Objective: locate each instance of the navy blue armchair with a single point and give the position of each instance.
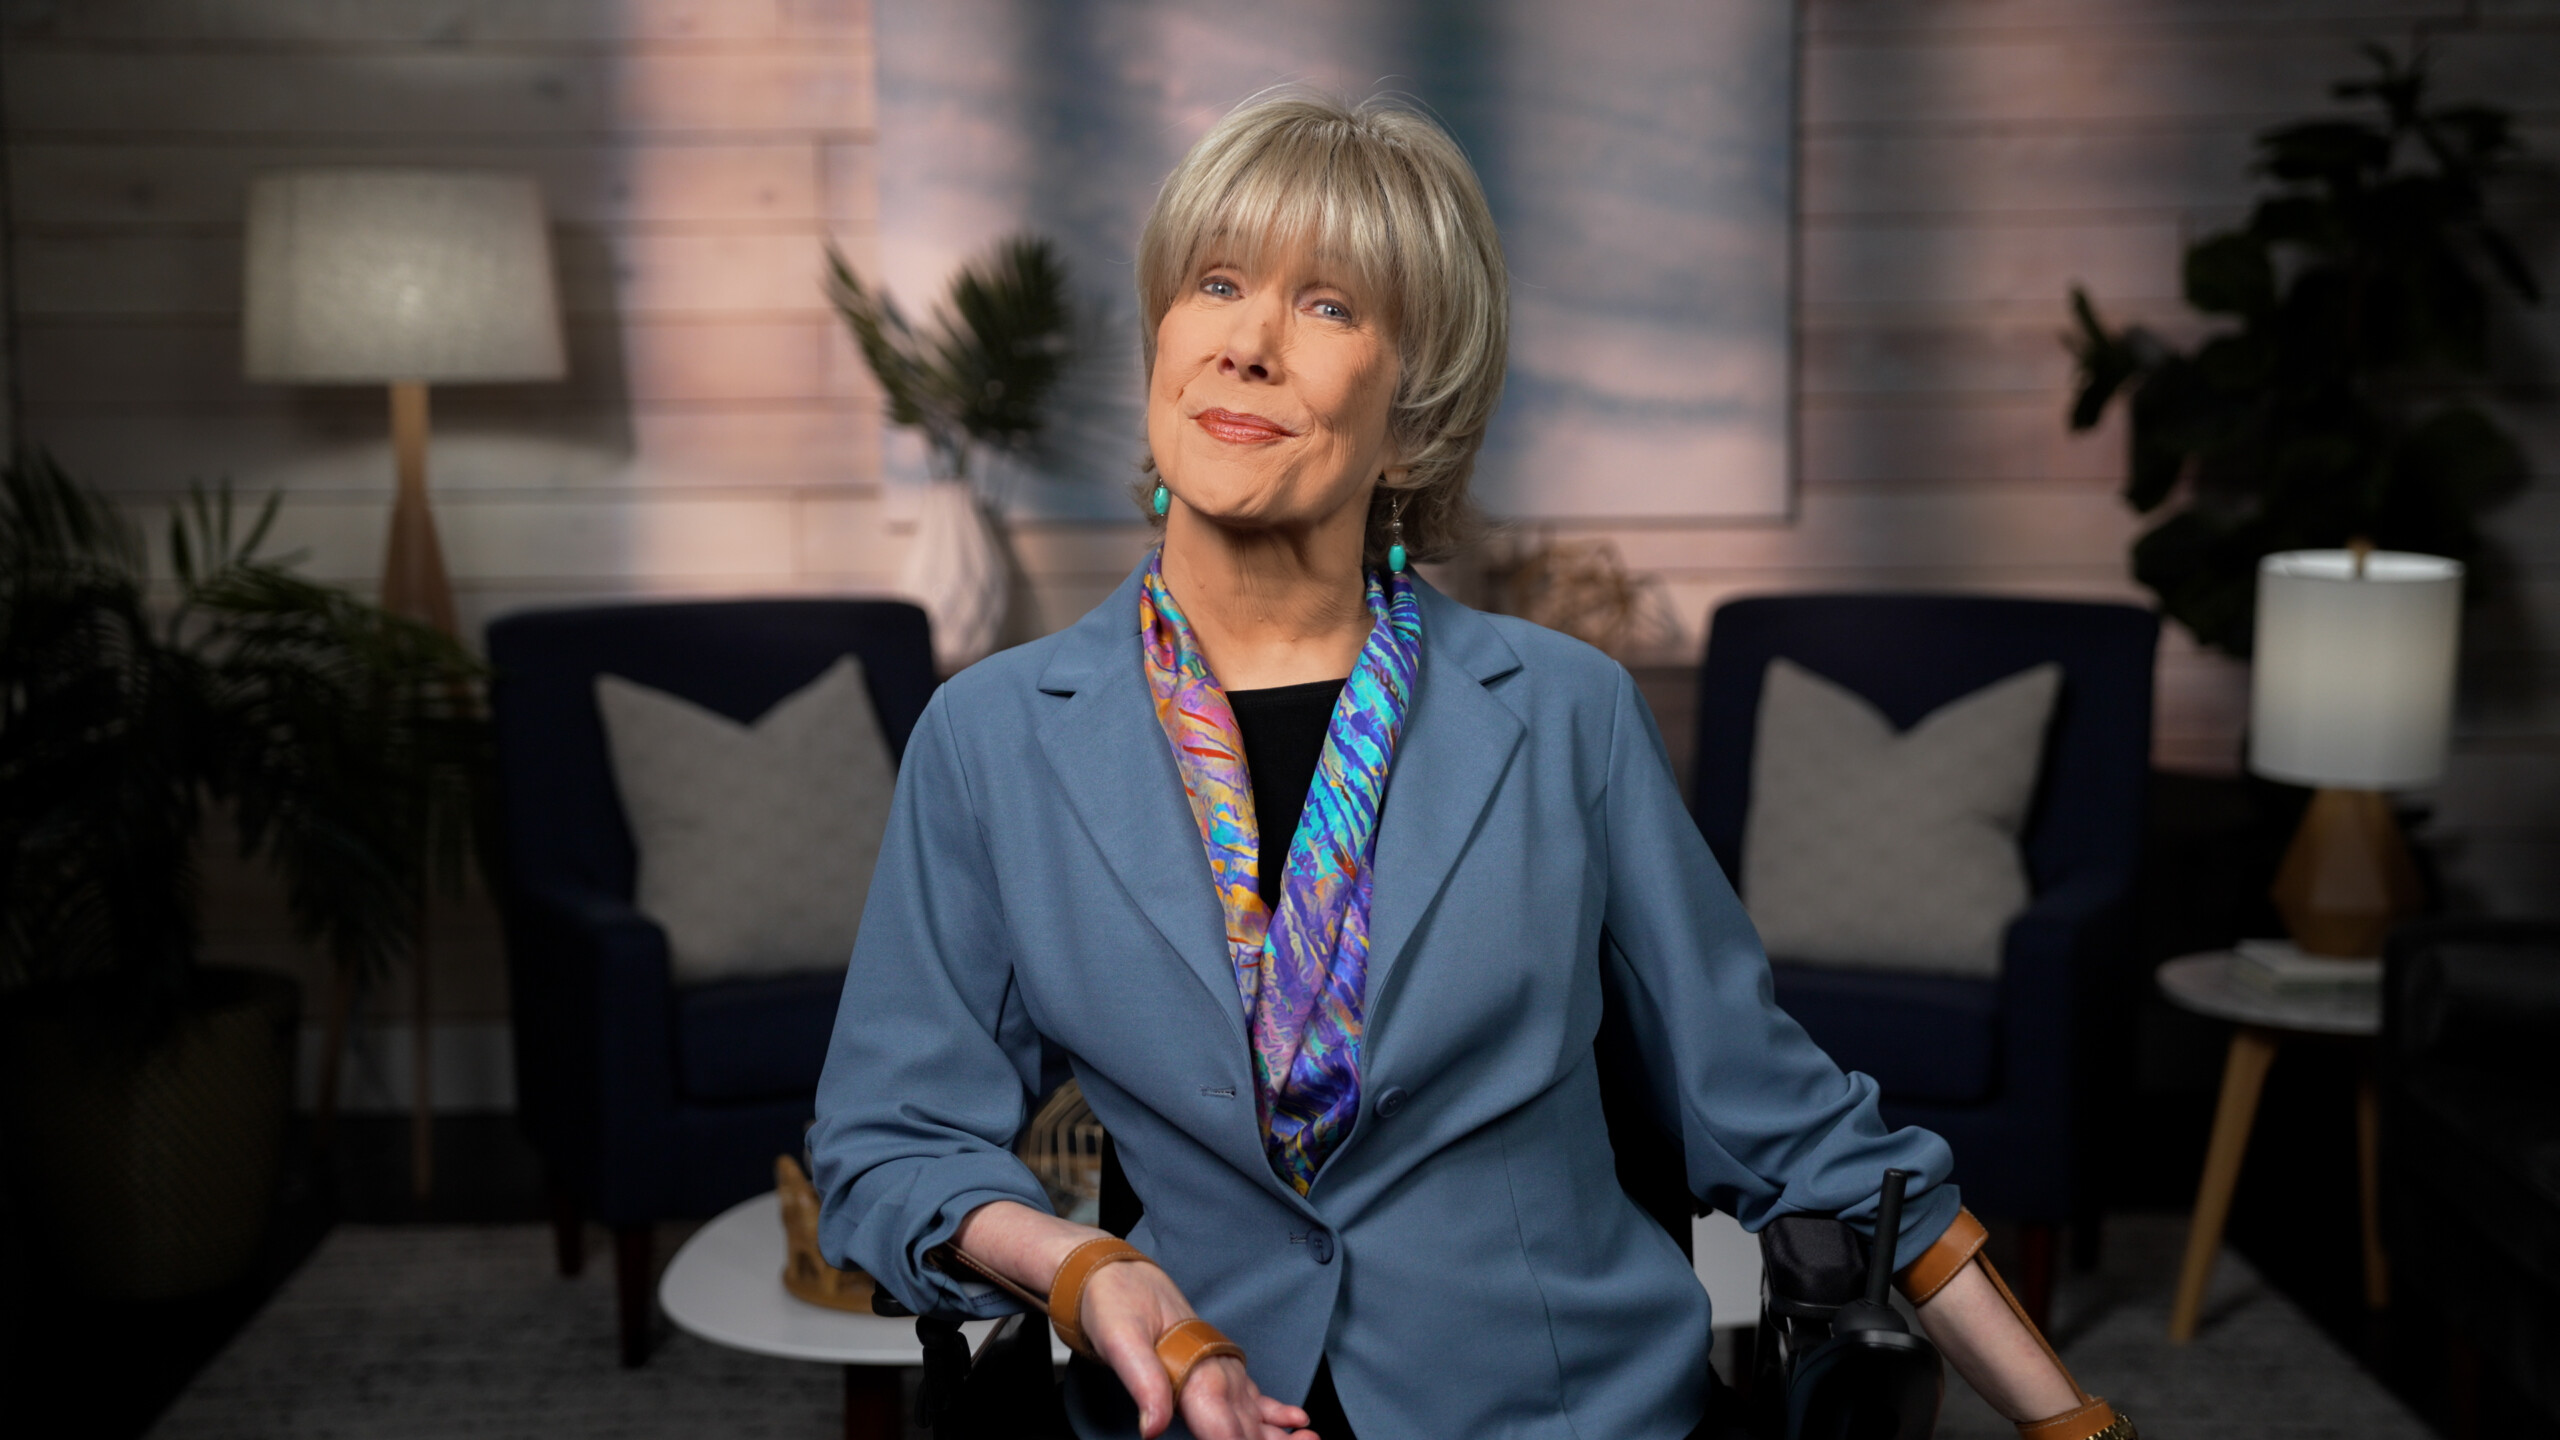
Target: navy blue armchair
(648, 1101)
(2001, 1067)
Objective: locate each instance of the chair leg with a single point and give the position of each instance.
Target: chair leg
(2088, 1231)
(2035, 1259)
(631, 1257)
(2462, 1369)
(568, 1233)
(873, 1408)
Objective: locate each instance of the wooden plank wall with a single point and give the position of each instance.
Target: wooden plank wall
(1963, 163)
(715, 434)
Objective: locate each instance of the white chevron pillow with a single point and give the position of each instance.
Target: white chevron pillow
(1887, 851)
(756, 842)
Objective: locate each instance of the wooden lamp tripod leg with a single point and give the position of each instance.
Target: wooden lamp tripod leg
(414, 584)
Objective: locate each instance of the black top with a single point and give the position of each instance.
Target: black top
(1283, 731)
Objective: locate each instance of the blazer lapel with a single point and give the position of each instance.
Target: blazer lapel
(1457, 742)
(1130, 796)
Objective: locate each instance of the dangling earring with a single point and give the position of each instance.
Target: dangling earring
(1395, 536)
(1163, 499)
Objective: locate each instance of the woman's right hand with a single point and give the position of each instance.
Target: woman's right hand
(1126, 1309)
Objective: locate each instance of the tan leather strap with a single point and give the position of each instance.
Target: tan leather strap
(1944, 1260)
(1183, 1347)
(2096, 1420)
(1993, 1274)
(1066, 1291)
(1941, 1262)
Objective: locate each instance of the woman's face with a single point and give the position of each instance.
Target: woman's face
(1268, 406)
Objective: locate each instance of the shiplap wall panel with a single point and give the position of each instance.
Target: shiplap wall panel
(1962, 163)
(412, 92)
(123, 186)
(715, 435)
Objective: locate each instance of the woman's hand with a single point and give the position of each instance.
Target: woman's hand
(1126, 1309)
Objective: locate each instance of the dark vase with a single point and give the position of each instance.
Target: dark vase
(149, 1161)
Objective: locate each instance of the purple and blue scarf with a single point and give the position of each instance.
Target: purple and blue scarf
(1303, 971)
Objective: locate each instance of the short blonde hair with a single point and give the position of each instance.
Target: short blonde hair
(1385, 187)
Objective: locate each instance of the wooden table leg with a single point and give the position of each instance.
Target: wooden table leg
(2244, 1075)
(2377, 1266)
(871, 1403)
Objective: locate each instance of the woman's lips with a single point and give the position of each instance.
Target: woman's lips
(1240, 429)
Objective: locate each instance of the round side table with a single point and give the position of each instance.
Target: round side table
(2216, 984)
(725, 1285)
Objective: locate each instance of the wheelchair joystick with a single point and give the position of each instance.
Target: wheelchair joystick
(1835, 1360)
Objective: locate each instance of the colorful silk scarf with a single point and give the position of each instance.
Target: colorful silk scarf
(1303, 972)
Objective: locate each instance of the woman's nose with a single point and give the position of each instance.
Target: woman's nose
(1253, 346)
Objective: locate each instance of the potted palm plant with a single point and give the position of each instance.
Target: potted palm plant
(975, 381)
(143, 1094)
(2337, 403)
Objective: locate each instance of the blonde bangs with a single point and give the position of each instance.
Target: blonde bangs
(1383, 191)
(1292, 186)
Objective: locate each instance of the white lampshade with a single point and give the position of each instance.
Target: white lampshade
(383, 275)
(2352, 685)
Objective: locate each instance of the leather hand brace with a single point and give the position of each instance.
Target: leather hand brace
(1180, 1349)
(1961, 1245)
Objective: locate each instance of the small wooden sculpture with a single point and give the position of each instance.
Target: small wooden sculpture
(805, 1272)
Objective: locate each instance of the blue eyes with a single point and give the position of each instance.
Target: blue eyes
(1226, 289)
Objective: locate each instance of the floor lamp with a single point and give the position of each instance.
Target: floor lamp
(403, 278)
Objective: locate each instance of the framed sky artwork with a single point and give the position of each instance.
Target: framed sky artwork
(1638, 155)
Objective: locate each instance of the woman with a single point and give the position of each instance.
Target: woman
(1319, 882)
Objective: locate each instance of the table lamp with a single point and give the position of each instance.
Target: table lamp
(2352, 692)
(402, 278)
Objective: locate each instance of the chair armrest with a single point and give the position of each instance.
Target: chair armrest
(2049, 960)
(2054, 927)
(612, 929)
(594, 1019)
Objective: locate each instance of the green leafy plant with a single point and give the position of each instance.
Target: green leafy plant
(2334, 411)
(341, 740)
(980, 374)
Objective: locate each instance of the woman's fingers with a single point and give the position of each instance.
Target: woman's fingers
(1287, 1417)
(1131, 1354)
(1279, 1419)
(1221, 1402)
(1125, 1309)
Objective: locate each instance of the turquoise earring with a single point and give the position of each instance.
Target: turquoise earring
(1395, 536)
(1163, 500)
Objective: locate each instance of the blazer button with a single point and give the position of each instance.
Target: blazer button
(1391, 1100)
(1320, 1245)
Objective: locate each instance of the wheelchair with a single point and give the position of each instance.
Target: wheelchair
(1833, 1359)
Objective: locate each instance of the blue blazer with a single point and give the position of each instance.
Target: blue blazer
(1043, 906)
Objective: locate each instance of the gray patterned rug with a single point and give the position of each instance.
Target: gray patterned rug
(406, 1333)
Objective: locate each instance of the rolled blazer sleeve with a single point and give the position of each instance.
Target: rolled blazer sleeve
(934, 1061)
(1769, 1124)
